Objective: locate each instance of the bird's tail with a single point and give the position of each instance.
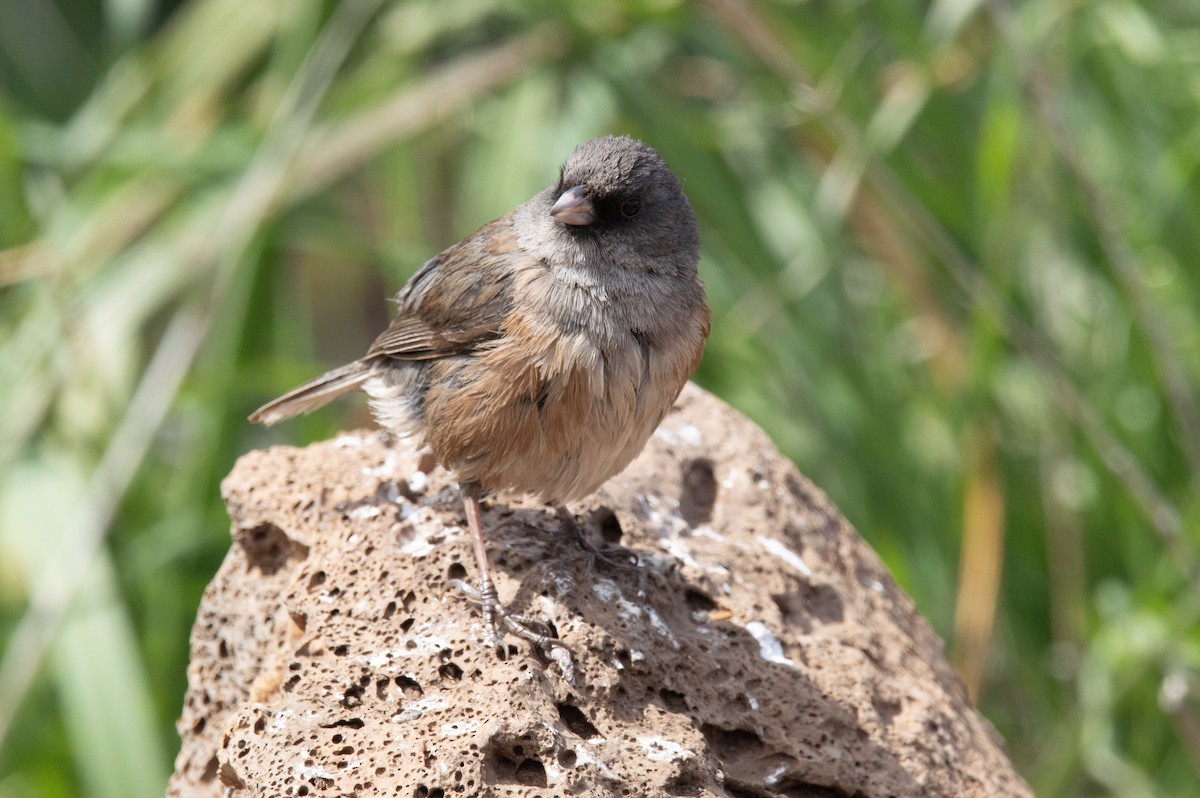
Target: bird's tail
(313, 394)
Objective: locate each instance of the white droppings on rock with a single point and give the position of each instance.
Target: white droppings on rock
(660, 750)
(563, 583)
(364, 512)
(385, 469)
(665, 518)
(584, 757)
(659, 626)
(305, 772)
(549, 607)
(679, 550)
(420, 708)
(683, 434)
(281, 720)
(781, 551)
(607, 591)
(421, 545)
(418, 483)
(769, 647)
(459, 728)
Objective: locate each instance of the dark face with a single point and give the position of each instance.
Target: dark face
(616, 196)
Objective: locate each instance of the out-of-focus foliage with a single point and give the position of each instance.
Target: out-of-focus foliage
(950, 249)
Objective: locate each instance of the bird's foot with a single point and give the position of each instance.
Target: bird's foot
(616, 557)
(498, 621)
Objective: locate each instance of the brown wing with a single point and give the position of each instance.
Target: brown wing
(457, 301)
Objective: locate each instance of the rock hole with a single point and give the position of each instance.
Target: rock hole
(699, 492)
(672, 700)
(268, 548)
(230, 778)
(260, 724)
(698, 601)
(210, 769)
(316, 580)
(511, 766)
(300, 620)
(291, 683)
(451, 671)
(732, 743)
(223, 650)
(574, 719)
(407, 624)
(567, 758)
(456, 571)
(349, 723)
(389, 610)
(341, 651)
(381, 687)
(531, 773)
(409, 686)
(783, 603)
(824, 602)
(352, 697)
(886, 710)
(609, 526)
(685, 784)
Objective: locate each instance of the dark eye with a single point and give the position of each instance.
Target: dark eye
(630, 208)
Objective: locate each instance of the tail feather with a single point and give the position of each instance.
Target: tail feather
(313, 394)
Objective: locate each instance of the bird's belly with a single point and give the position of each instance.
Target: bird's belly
(556, 424)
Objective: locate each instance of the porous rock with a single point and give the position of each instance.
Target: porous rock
(757, 648)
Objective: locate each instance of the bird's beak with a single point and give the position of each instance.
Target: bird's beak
(574, 208)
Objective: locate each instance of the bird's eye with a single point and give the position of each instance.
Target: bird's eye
(630, 208)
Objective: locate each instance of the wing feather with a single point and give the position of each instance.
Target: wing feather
(457, 301)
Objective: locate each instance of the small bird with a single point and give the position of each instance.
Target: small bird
(541, 352)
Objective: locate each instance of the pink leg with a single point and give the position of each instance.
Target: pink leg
(489, 599)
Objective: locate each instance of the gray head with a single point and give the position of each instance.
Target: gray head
(617, 201)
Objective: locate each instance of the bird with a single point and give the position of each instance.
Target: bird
(540, 353)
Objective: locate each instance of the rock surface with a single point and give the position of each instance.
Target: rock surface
(759, 648)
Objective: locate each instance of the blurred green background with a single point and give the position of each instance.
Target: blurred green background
(951, 250)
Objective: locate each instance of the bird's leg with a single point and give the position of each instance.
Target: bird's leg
(489, 600)
(629, 558)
